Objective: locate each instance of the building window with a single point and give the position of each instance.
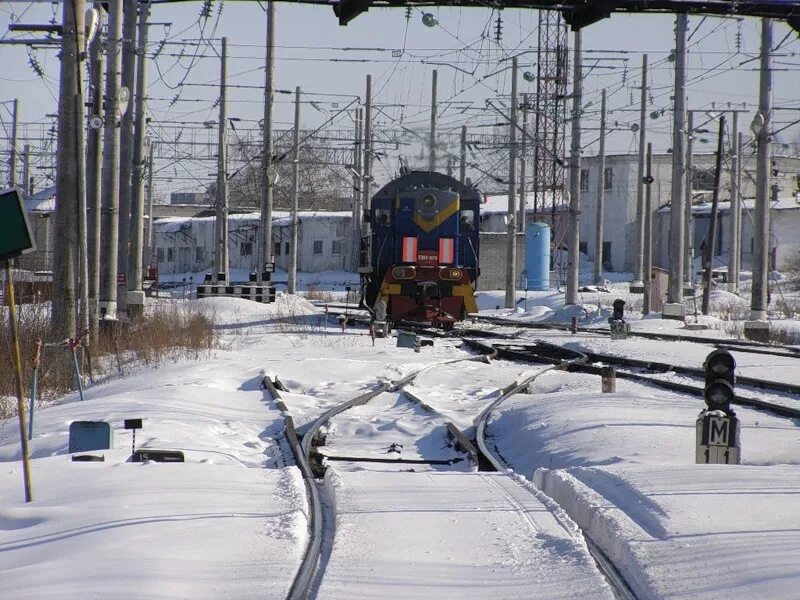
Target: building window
(317, 247)
(703, 180)
(584, 180)
(199, 254)
(582, 248)
(797, 182)
(246, 249)
(608, 178)
(160, 255)
(286, 248)
(336, 247)
(277, 250)
(170, 255)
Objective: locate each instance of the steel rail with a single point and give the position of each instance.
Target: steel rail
(307, 572)
(741, 345)
(604, 564)
(517, 352)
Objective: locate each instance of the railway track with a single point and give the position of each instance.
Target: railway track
(310, 459)
(648, 372)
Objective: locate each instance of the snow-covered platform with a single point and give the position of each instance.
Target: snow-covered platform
(452, 535)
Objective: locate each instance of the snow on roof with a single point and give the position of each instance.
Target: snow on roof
(785, 203)
(498, 203)
(42, 201)
(173, 224)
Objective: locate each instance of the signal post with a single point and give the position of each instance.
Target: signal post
(717, 426)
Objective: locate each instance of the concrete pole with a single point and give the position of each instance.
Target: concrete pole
(221, 255)
(733, 217)
(711, 240)
(63, 315)
(758, 301)
(26, 167)
(688, 221)
(80, 189)
(291, 283)
(126, 147)
(357, 190)
(637, 285)
(94, 164)
(573, 232)
(12, 159)
(674, 306)
(738, 176)
(523, 163)
(137, 182)
(647, 303)
(601, 195)
(111, 148)
(367, 160)
(150, 255)
(511, 247)
(265, 243)
(432, 142)
(462, 171)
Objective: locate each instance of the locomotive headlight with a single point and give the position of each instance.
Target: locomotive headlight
(404, 272)
(450, 274)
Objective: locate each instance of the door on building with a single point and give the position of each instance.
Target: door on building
(184, 259)
(607, 256)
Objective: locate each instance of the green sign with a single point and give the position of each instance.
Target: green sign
(15, 232)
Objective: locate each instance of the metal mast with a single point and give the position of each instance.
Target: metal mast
(550, 107)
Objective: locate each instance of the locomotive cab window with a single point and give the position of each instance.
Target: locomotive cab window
(467, 220)
(383, 217)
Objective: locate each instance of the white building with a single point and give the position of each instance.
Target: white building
(784, 238)
(326, 242)
(620, 181)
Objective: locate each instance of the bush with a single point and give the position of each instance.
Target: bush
(168, 332)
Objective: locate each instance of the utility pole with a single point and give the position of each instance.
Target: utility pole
(688, 221)
(94, 164)
(711, 240)
(511, 251)
(80, 189)
(737, 197)
(757, 327)
(63, 316)
(637, 285)
(126, 148)
(291, 283)
(221, 257)
(573, 233)
(674, 306)
(523, 161)
(151, 254)
(367, 160)
(111, 147)
(357, 189)
(647, 302)
(462, 171)
(12, 159)
(137, 181)
(601, 195)
(267, 178)
(434, 108)
(26, 168)
(733, 232)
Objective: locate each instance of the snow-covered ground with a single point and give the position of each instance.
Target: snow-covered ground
(231, 521)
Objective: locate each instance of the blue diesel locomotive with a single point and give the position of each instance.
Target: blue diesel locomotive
(421, 263)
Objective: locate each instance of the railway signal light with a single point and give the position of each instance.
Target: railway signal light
(720, 378)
